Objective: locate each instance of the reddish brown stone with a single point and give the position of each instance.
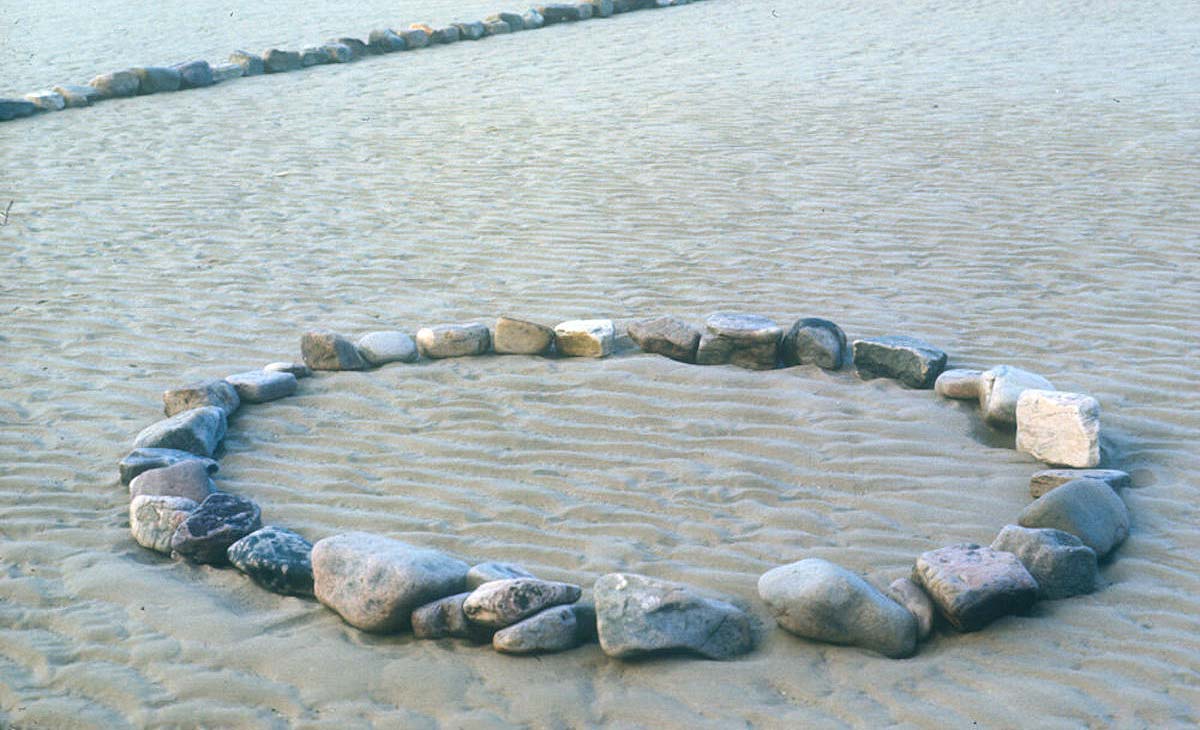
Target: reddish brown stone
(973, 586)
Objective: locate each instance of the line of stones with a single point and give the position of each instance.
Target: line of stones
(383, 585)
(197, 74)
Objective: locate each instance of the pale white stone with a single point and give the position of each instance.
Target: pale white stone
(153, 519)
(585, 338)
(999, 389)
(958, 384)
(1061, 429)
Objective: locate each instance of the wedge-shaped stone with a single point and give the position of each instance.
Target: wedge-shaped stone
(1086, 508)
(958, 384)
(453, 340)
(666, 336)
(139, 461)
(153, 520)
(556, 629)
(490, 571)
(913, 362)
(277, 559)
(330, 351)
(501, 603)
(999, 390)
(585, 338)
(1060, 429)
(1060, 563)
(204, 393)
(262, 386)
(188, 479)
(518, 337)
(220, 521)
(745, 340)
(198, 431)
(917, 601)
(973, 586)
(1049, 479)
(445, 619)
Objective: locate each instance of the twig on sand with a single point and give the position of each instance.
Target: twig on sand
(6, 209)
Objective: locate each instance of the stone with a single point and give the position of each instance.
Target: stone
(912, 597)
(666, 336)
(47, 101)
(532, 20)
(556, 629)
(375, 583)
(601, 8)
(316, 56)
(227, 72)
(453, 340)
(517, 337)
(11, 109)
(497, 27)
(380, 348)
(153, 520)
(445, 35)
(194, 74)
(116, 84)
(415, 38)
(1048, 479)
(252, 65)
(501, 603)
(514, 20)
(638, 615)
(973, 586)
(358, 49)
(471, 31)
(213, 392)
(339, 52)
(999, 389)
(330, 351)
(220, 521)
(1060, 563)
(189, 479)
(1086, 508)
(77, 95)
(913, 362)
(561, 12)
(276, 61)
(745, 340)
(819, 600)
(298, 369)
(585, 338)
(814, 341)
(444, 618)
(490, 571)
(140, 461)
(198, 431)
(1060, 429)
(958, 384)
(261, 386)
(385, 41)
(275, 558)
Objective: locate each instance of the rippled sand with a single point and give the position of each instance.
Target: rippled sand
(1014, 184)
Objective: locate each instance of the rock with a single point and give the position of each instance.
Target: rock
(814, 341)
(339, 52)
(140, 461)
(1086, 508)
(532, 20)
(910, 595)
(973, 586)
(453, 340)
(298, 369)
(444, 618)
(561, 12)
(153, 520)
(514, 21)
(490, 571)
(745, 340)
(999, 389)
(958, 384)
(385, 41)
(116, 84)
(194, 74)
(213, 392)
(501, 603)
(601, 8)
(317, 56)
(358, 49)
(227, 72)
(415, 38)
(220, 521)
(261, 386)
(1060, 429)
(198, 431)
(666, 336)
(380, 348)
(517, 337)
(375, 583)
(1060, 563)
(11, 109)
(276, 559)
(445, 35)
(276, 61)
(585, 338)
(819, 600)
(497, 27)
(637, 615)
(471, 31)
(46, 101)
(913, 362)
(77, 95)
(1049, 479)
(329, 351)
(251, 64)
(555, 629)
(188, 479)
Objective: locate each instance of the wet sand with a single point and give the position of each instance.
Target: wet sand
(1015, 185)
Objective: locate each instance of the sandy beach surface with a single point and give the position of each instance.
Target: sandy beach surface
(1016, 183)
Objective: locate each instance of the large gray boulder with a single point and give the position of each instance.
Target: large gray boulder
(1049, 479)
(601, 8)
(220, 521)
(188, 479)
(973, 586)
(449, 34)
(472, 31)
(384, 40)
(501, 603)
(11, 109)
(212, 392)
(1060, 429)
(637, 615)
(194, 74)
(514, 21)
(497, 27)
(262, 386)
(276, 61)
(585, 338)
(277, 559)
(252, 64)
(555, 629)
(316, 56)
(958, 384)
(381, 348)
(814, 341)
(513, 336)
(999, 390)
(745, 340)
(1086, 508)
(819, 600)
(445, 619)
(198, 431)
(115, 84)
(563, 12)
(913, 362)
(666, 336)
(140, 461)
(329, 351)
(375, 583)
(77, 95)
(453, 340)
(490, 571)
(153, 520)
(415, 38)
(1060, 563)
(156, 79)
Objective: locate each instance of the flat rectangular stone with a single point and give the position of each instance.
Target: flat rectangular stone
(1060, 429)
(1049, 479)
(973, 586)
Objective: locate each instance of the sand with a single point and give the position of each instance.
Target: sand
(1016, 185)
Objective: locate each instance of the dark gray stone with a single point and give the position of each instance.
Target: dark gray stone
(383, 40)
(1049, 479)
(415, 38)
(142, 460)
(814, 341)
(220, 520)
(189, 479)
(490, 571)
(471, 31)
(1086, 508)
(913, 362)
(198, 431)
(666, 336)
(497, 27)
(556, 629)
(637, 615)
(339, 52)
(276, 559)
(212, 392)
(330, 351)
(277, 61)
(358, 49)
(1060, 563)
(562, 12)
(512, 20)
(194, 74)
(973, 586)
(252, 64)
(449, 34)
(261, 386)
(11, 109)
(501, 603)
(116, 84)
(77, 95)
(445, 619)
(602, 8)
(315, 56)
(745, 340)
